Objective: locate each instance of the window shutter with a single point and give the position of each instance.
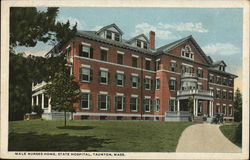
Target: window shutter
(109, 80)
(80, 73)
(144, 83)
(91, 75)
(138, 105)
(99, 76)
(90, 101)
(131, 81)
(130, 104)
(124, 103)
(108, 103)
(170, 66)
(80, 49)
(91, 52)
(99, 102)
(138, 80)
(151, 105)
(124, 79)
(116, 103)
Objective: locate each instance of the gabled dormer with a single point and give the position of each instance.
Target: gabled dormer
(111, 32)
(140, 41)
(219, 65)
(187, 52)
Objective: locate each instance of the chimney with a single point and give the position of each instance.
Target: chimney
(152, 39)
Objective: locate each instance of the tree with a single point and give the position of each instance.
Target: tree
(64, 91)
(27, 27)
(190, 106)
(237, 106)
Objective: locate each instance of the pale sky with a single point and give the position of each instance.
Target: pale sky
(218, 31)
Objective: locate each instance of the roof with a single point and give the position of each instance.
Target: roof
(174, 44)
(136, 37)
(109, 26)
(222, 72)
(217, 63)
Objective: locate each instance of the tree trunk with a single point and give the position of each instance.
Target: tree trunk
(65, 118)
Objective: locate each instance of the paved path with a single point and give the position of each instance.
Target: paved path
(205, 138)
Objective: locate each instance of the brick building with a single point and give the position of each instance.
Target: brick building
(133, 80)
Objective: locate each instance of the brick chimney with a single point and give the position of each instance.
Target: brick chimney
(152, 39)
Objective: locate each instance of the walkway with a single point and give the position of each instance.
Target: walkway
(205, 138)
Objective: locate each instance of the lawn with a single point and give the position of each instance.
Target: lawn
(131, 136)
(232, 132)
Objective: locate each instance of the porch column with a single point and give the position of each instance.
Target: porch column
(178, 105)
(42, 101)
(212, 107)
(32, 101)
(194, 107)
(49, 106)
(37, 103)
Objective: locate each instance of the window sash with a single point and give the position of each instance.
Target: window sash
(147, 83)
(104, 77)
(147, 65)
(104, 55)
(157, 83)
(120, 58)
(134, 81)
(133, 103)
(109, 35)
(134, 62)
(119, 102)
(85, 100)
(103, 101)
(85, 74)
(147, 105)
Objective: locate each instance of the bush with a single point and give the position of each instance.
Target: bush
(38, 109)
(238, 133)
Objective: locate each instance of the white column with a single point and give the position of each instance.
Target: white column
(178, 105)
(32, 101)
(194, 107)
(42, 100)
(37, 103)
(49, 106)
(212, 106)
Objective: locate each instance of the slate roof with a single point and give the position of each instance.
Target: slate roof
(217, 63)
(136, 37)
(109, 26)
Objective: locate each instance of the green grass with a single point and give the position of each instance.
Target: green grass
(232, 132)
(132, 136)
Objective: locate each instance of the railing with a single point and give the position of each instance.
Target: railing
(176, 113)
(191, 75)
(194, 91)
(38, 86)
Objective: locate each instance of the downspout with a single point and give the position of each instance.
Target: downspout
(142, 81)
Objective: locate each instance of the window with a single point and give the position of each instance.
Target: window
(173, 66)
(147, 83)
(157, 65)
(200, 72)
(172, 105)
(187, 52)
(217, 93)
(224, 82)
(84, 117)
(120, 79)
(218, 80)
(68, 51)
(230, 82)
(199, 107)
(217, 108)
(224, 109)
(85, 100)
(147, 104)
(147, 64)
(85, 74)
(145, 45)
(117, 37)
(134, 81)
(84, 51)
(134, 103)
(211, 78)
(119, 103)
(224, 94)
(104, 76)
(104, 55)
(230, 110)
(211, 90)
(230, 96)
(103, 101)
(109, 35)
(138, 43)
(157, 105)
(120, 58)
(134, 62)
(200, 87)
(157, 85)
(172, 84)
(119, 118)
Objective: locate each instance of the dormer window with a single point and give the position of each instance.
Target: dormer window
(222, 68)
(145, 45)
(112, 35)
(187, 52)
(109, 35)
(117, 37)
(138, 43)
(141, 44)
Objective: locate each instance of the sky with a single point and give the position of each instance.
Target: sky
(218, 31)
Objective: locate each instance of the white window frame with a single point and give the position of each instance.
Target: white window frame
(149, 100)
(134, 96)
(156, 80)
(120, 73)
(86, 45)
(122, 96)
(85, 67)
(134, 75)
(106, 94)
(107, 71)
(85, 92)
(157, 104)
(148, 78)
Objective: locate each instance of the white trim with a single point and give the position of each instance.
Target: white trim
(134, 74)
(136, 56)
(115, 64)
(230, 91)
(224, 105)
(104, 48)
(67, 46)
(134, 95)
(217, 103)
(211, 74)
(230, 105)
(157, 98)
(218, 89)
(148, 59)
(104, 69)
(120, 94)
(120, 52)
(173, 61)
(224, 90)
(86, 66)
(158, 59)
(187, 64)
(86, 44)
(122, 72)
(116, 114)
(199, 83)
(147, 97)
(149, 77)
(200, 68)
(103, 92)
(172, 78)
(172, 98)
(85, 91)
(220, 85)
(211, 87)
(217, 76)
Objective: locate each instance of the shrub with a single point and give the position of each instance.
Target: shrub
(238, 133)
(38, 109)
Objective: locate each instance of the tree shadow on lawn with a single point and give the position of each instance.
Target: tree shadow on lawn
(58, 142)
(76, 127)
